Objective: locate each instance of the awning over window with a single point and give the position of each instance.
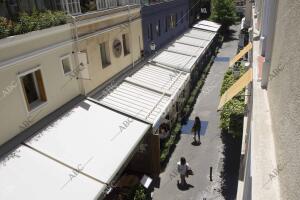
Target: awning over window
(176, 60)
(236, 88)
(185, 49)
(138, 101)
(27, 174)
(185, 52)
(87, 138)
(193, 41)
(201, 34)
(245, 50)
(208, 26)
(162, 79)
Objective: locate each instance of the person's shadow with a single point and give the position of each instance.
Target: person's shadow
(196, 143)
(184, 187)
(187, 128)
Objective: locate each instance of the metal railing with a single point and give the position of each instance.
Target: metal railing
(105, 4)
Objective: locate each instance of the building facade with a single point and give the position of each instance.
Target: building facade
(163, 21)
(199, 10)
(270, 162)
(10, 8)
(41, 71)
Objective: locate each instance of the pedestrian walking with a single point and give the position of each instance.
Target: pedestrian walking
(183, 169)
(197, 129)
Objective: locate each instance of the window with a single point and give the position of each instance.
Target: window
(33, 88)
(150, 35)
(187, 15)
(181, 19)
(66, 64)
(158, 28)
(173, 19)
(87, 57)
(105, 59)
(125, 39)
(167, 23)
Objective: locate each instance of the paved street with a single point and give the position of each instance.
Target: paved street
(209, 153)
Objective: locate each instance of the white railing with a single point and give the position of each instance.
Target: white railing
(105, 4)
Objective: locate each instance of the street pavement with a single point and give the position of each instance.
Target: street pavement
(209, 153)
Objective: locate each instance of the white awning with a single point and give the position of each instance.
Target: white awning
(192, 41)
(88, 137)
(135, 100)
(208, 28)
(26, 174)
(207, 25)
(162, 79)
(201, 34)
(176, 60)
(185, 49)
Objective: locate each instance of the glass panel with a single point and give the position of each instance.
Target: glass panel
(66, 65)
(125, 38)
(30, 88)
(104, 54)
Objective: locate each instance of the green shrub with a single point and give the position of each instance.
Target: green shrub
(232, 113)
(139, 193)
(165, 149)
(60, 17)
(25, 24)
(36, 21)
(5, 27)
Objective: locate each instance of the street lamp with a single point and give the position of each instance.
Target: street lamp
(152, 46)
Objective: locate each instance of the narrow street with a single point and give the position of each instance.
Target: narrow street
(209, 153)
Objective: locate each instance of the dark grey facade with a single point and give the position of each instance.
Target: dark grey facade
(199, 10)
(163, 22)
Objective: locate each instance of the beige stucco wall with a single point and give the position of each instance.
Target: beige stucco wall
(58, 87)
(92, 32)
(44, 49)
(284, 96)
(18, 45)
(98, 75)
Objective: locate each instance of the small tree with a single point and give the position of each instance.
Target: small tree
(223, 12)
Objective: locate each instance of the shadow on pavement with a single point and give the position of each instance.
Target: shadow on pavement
(230, 173)
(229, 35)
(187, 128)
(184, 187)
(194, 143)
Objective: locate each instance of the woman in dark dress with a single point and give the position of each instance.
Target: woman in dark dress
(197, 129)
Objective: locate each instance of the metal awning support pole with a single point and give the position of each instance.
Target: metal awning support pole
(131, 36)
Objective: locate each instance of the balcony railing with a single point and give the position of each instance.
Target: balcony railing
(105, 4)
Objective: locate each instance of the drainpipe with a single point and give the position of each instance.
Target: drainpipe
(76, 57)
(130, 32)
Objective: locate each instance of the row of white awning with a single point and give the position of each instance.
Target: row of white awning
(148, 94)
(80, 153)
(208, 25)
(151, 91)
(184, 53)
(75, 157)
(28, 175)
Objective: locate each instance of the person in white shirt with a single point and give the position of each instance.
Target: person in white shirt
(183, 168)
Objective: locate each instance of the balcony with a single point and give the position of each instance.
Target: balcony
(18, 18)
(12, 8)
